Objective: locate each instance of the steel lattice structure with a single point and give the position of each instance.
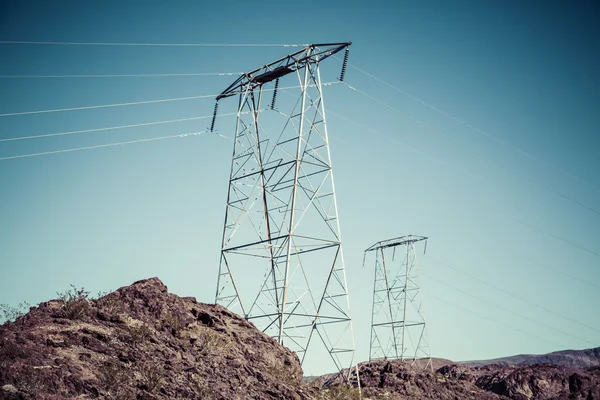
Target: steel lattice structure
(397, 326)
(281, 263)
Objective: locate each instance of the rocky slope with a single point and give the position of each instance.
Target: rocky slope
(141, 342)
(396, 380)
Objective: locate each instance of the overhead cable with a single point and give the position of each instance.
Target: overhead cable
(110, 128)
(468, 125)
(136, 102)
(393, 139)
(556, 271)
(514, 295)
(494, 320)
(107, 105)
(150, 44)
(103, 145)
(473, 150)
(120, 75)
(506, 309)
(552, 235)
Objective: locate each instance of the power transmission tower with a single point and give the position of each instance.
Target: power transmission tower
(397, 324)
(281, 263)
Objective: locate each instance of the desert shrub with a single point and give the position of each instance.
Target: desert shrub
(102, 293)
(75, 302)
(175, 321)
(209, 341)
(135, 334)
(110, 303)
(10, 351)
(10, 314)
(152, 377)
(138, 333)
(283, 374)
(30, 382)
(200, 388)
(112, 375)
(341, 392)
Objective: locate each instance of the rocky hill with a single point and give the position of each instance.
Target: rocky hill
(396, 380)
(141, 342)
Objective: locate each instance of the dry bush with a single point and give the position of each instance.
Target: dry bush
(210, 341)
(152, 377)
(341, 392)
(114, 378)
(110, 303)
(30, 382)
(75, 302)
(112, 375)
(199, 387)
(175, 322)
(11, 314)
(9, 351)
(283, 374)
(136, 334)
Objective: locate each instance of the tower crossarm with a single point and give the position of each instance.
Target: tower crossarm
(311, 53)
(399, 241)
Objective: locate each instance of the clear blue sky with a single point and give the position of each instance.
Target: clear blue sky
(514, 250)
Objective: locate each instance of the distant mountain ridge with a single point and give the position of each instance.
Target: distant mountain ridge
(565, 358)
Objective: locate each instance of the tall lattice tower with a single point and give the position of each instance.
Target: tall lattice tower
(397, 326)
(281, 263)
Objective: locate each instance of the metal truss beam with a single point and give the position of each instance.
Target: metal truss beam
(311, 54)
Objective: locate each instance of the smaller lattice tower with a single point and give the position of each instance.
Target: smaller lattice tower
(397, 324)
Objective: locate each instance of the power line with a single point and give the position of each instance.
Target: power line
(383, 136)
(137, 102)
(103, 145)
(505, 309)
(526, 177)
(393, 139)
(556, 271)
(570, 243)
(111, 128)
(151, 44)
(107, 105)
(102, 129)
(363, 150)
(478, 130)
(513, 295)
(118, 75)
(496, 321)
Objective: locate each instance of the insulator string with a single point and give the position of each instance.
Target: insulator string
(344, 64)
(274, 94)
(212, 124)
